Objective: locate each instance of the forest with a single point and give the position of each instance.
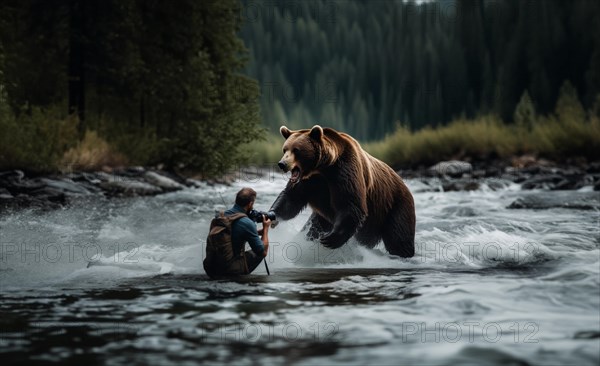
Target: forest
(86, 83)
(366, 67)
(194, 85)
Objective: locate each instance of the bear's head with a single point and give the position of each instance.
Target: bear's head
(302, 151)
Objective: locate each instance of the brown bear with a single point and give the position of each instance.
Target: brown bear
(350, 192)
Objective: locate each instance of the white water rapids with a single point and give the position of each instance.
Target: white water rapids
(488, 285)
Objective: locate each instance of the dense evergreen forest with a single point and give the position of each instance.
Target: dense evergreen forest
(158, 80)
(366, 66)
(185, 84)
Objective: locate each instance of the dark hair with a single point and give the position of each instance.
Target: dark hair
(245, 196)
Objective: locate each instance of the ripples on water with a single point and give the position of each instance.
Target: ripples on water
(488, 285)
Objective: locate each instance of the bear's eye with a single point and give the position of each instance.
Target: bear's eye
(295, 151)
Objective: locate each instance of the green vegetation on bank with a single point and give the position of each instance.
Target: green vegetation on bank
(89, 83)
(568, 132)
(35, 140)
(137, 82)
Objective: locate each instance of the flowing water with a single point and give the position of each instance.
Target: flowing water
(488, 285)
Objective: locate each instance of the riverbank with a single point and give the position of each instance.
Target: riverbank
(527, 171)
(20, 190)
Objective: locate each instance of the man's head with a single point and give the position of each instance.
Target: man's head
(245, 198)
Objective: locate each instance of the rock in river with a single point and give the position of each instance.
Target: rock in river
(558, 199)
(452, 168)
(65, 185)
(161, 181)
(129, 187)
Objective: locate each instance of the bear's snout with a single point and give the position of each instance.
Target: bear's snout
(282, 165)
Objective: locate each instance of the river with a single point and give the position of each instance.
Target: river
(120, 281)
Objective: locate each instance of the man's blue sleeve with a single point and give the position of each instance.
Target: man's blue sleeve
(251, 235)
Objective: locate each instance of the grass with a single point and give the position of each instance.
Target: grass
(44, 140)
(266, 152)
(35, 141)
(92, 153)
(487, 137)
(483, 138)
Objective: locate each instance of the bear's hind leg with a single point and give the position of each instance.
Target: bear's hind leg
(399, 233)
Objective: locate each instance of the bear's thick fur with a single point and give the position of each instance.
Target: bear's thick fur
(350, 192)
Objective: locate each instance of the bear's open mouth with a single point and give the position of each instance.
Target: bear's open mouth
(296, 173)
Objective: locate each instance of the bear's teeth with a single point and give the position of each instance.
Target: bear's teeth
(295, 175)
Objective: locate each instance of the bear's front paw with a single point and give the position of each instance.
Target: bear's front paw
(332, 240)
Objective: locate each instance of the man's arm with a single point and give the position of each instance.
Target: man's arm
(265, 234)
(251, 236)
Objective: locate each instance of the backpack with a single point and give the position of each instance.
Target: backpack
(219, 247)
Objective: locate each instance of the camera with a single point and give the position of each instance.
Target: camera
(257, 216)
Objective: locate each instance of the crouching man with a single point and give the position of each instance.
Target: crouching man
(229, 233)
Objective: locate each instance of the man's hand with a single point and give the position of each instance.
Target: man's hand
(266, 223)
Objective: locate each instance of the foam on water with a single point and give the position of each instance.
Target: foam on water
(147, 236)
(126, 277)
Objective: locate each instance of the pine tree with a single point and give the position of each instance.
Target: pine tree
(525, 112)
(568, 106)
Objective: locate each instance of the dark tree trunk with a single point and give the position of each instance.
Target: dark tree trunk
(76, 63)
(142, 112)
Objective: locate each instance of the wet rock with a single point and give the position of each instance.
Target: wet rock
(530, 162)
(493, 171)
(422, 185)
(163, 182)
(131, 172)
(136, 169)
(479, 173)
(523, 161)
(597, 185)
(84, 177)
(565, 184)
(593, 167)
(5, 194)
(193, 183)
(129, 187)
(497, 184)
(12, 176)
(25, 186)
(106, 177)
(587, 334)
(226, 180)
(49, 194)
(568, 199)
(66, 186)
(588, 180)
(24, 201)
(452, 168)
(52, 191)
(460, 185)
(509, 177)
(460, 211)
(542, 182)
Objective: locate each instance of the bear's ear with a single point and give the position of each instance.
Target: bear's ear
(285, 132)
(316, 132)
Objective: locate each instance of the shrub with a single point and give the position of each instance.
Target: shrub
(36, 139)
(92, 153)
